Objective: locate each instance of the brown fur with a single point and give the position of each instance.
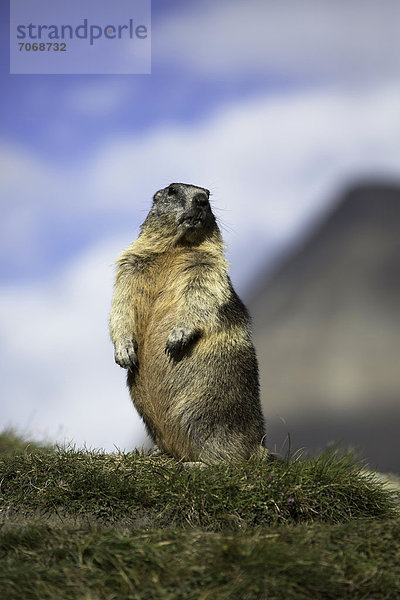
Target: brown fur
(184, 335)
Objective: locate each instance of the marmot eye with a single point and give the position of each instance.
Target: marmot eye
(172, 190)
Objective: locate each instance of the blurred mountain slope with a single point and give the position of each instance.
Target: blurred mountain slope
(327, 321)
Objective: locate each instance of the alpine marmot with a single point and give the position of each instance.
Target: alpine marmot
(183, 334)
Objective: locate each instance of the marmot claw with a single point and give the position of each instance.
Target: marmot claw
(125, 354)
(177, 340)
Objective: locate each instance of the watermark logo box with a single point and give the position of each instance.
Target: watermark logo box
(80, 36)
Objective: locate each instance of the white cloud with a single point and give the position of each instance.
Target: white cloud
(339, 40)
(98, 98)
(59, 380)
(269, 162)
(26, 184)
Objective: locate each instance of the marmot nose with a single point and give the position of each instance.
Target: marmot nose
(200, 199)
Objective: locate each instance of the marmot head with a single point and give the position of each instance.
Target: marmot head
(181, 211)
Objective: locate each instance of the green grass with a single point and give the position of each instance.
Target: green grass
(13, 443)
(87, 525)
(286, 562)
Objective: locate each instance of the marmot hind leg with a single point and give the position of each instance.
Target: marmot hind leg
(195, 464)
(155, 451)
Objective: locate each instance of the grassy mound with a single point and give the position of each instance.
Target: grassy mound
(358, 560)
(82, 524)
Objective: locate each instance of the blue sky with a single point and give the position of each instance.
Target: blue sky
(63, 121)
(172, 93)
(274, 106)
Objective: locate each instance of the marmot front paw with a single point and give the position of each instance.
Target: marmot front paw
(177, 340)
(125, 354)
